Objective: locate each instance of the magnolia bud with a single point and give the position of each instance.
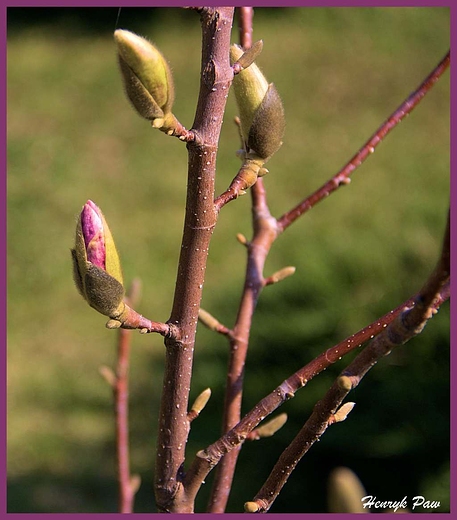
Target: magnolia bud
(96, 267)
(261, 111)
(147, 78)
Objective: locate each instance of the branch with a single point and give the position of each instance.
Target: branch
(409, 323)
(265, 233)
(133, 320)
(405, 322)
(266, 230)
(342, 177)
(200, 219)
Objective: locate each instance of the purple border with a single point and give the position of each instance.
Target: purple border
(3, 243)
(265, 3)
(453, 360)
(254, 3)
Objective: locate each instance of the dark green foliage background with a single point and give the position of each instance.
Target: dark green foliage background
(72, 136)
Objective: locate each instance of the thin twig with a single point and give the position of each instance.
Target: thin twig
(121, 403)
(134, 320)
(343, 176)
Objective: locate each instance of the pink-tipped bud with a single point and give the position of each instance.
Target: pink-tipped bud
(94, 239)
(96, 266)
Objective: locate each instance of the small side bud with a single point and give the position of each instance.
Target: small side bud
(283, 273)
(345, 383)
(201, 401)
(270, 427)
(263, 171)
(108, 375)
(147, 79)
(242, 239)
(251, 507)
(341, 414)
(135, 483)
(113, 324)
(208, 320)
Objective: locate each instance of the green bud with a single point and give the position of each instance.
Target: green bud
(261, 111)
(96, 266)
(147, 78)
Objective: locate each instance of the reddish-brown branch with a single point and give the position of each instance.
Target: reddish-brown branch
(255, 281)
(134, 320)
(253, 285)
(200, 219)
(121, 402)
(207, 459)
(407, 324)
(121, 413)
(265, 233)
(342, 177)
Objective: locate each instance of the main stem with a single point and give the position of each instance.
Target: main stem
(200, 220)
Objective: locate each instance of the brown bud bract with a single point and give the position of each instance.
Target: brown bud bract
(268, 125)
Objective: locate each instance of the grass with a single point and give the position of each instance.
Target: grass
(72, 136)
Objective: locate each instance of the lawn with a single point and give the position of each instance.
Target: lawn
(73, 136)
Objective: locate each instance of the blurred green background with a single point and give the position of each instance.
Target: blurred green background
(72, 136)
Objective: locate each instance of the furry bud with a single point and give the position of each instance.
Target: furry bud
(261, 111)
(96, 266)
(147, 78)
